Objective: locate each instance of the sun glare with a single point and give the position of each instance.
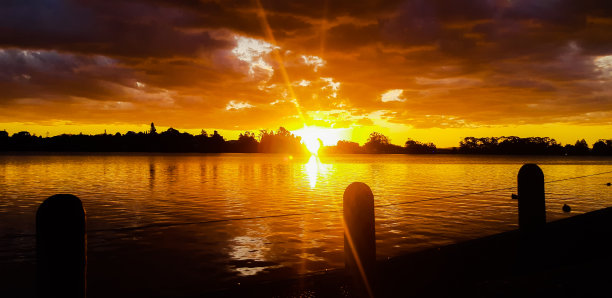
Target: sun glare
(314, 137)
(313, 145)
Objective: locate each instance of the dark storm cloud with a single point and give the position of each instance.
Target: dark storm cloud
(101, 27)
(53, 75)
(161, 28)
(317, 9)
(545, 47)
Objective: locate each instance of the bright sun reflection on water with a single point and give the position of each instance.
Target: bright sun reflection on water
(315, 170)
(249, 254)
(312, 170)
(313, 145)
(186, 206)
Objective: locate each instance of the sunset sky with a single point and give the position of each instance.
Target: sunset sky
(434, 71)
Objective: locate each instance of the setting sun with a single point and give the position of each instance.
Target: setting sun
(313, 145)
(314, 137)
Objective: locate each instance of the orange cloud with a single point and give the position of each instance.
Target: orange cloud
(390, 65)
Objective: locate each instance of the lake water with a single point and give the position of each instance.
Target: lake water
(168, 224)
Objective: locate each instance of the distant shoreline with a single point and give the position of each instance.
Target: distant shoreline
(152, 153)
(283, 141)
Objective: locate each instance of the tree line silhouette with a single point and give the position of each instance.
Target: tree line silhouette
(283, 141)
(533, 145)
(170, 140)
(379, 143)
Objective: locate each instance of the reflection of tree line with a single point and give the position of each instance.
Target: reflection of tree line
(283, 141)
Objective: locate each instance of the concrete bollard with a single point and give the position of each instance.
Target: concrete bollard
(531, 205)
(61, 247)
(359, 235)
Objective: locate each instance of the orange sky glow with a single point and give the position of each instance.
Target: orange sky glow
(433, 71)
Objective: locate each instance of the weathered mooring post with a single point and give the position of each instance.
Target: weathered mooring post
(61, 247)
(531, 218)
(359, 235)
(531, 204)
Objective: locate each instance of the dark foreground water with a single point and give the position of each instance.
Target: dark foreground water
(184, 224)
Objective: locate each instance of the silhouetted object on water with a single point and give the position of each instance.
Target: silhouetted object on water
(566, 208)
(531, 205)
(359, 235)
(61, 247)
(359, 231)
(514, 196)
(608, 184)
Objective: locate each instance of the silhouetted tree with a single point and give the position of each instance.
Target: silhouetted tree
(416, 147)
(216, 143)
(4, 139)
(602, 147)
(510, 145)
(281, 141)
(581, 147)
(376, 143)
(341, 147)
(246, 143)
(173, 140)
(379, 143)
(347, 147)
(170, 132)
(23, 141)
(153, 130)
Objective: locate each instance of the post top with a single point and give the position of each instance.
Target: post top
(358, 189)
(530, 169)
(61, 204)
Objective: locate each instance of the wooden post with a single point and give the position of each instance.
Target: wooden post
(359, 235)
(531, 205)
(61, 247)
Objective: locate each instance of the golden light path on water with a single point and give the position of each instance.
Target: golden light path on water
(252, 248)
(314, 168)
(225, 217)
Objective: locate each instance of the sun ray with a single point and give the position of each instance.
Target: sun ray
(362, 273)
(323, 29)
(279, 59)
